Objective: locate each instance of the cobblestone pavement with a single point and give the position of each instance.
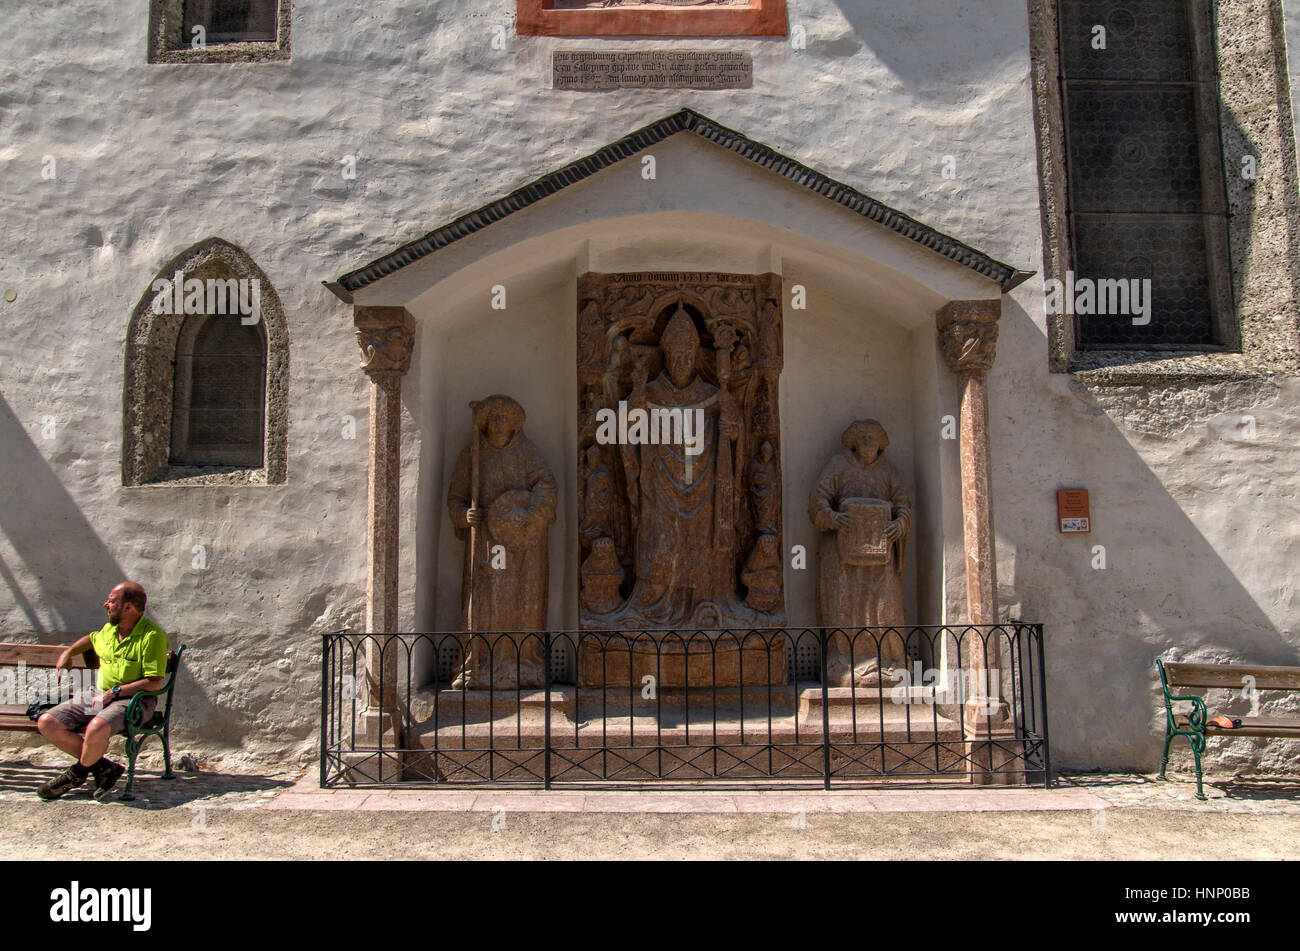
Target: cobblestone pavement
(1245, 794)
(223, 790)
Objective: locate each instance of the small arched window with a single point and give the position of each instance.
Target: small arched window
(206, 382)
(220, 393)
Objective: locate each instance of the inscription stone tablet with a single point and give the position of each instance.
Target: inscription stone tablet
(652, 69)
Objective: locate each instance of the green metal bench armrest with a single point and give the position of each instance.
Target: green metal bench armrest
(1197, 718)
(1199, 715)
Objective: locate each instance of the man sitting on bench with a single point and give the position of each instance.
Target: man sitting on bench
(132, 657)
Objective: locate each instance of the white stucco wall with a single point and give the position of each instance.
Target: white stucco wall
(1291, 17)
(1199, 527)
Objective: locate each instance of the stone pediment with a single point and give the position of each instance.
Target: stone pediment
(686, 124)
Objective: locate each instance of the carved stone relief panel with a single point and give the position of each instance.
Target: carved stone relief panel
(679, 492)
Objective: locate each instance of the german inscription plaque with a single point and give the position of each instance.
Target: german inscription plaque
(652, 69)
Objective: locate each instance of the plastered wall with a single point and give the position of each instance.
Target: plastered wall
(1199, 525)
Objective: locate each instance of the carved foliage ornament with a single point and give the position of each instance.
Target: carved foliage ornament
(968, 333)
(385, 336)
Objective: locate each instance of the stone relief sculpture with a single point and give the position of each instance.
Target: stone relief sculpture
(865, 516)
(502, 500)
(690, 526)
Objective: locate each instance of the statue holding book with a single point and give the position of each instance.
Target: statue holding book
(865, 517)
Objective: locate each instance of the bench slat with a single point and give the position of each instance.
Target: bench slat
(1251, 726)
(37, 655)
(16, 721)
(1229, 677)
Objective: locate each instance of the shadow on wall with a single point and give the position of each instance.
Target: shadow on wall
(62, 557)
(929, 44)
(1165, 590)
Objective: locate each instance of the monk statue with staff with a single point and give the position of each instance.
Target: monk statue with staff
(502, 501)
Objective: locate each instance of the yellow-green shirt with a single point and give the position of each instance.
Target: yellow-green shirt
(142, 654)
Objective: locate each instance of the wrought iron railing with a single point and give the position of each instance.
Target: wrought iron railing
(805, 705)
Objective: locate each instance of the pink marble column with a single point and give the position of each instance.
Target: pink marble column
(386, 336)
(968, 334)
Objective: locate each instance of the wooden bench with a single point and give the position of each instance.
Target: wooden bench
(1195, 725)
(13, 716)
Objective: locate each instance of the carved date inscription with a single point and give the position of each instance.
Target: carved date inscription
(652, 69)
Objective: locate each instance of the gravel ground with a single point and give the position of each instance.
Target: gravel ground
(34, 830)
(205, 815)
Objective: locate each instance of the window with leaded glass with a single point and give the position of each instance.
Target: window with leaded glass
(1146, 196)
(220, 393)
(219, 31)
(232, 21)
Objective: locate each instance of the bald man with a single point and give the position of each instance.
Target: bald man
(132, 657)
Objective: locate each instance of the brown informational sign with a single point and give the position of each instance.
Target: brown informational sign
(652, 69)
(1072, 511)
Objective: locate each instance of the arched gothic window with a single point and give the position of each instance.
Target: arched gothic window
(206, 374)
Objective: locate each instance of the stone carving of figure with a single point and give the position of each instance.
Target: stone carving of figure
(765, 486)
(600, 517)
(865, 516)
(502, 505)
(681, 532)
(762, 572)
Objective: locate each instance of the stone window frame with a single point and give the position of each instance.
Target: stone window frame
(167, 45)
(1263, 228)
(148, 394)
(758, 18)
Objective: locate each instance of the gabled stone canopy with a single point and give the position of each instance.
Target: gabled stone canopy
(1002, 275)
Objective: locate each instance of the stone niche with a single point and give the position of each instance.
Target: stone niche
(679, 477)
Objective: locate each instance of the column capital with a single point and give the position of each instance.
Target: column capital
(968, 333)
(386, 336)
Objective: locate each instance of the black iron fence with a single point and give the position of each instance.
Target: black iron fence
(806, 705)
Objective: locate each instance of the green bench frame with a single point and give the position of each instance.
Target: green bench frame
(160, 724)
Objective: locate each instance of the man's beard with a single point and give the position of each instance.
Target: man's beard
(115, 616)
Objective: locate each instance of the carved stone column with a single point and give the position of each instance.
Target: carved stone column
(968, 334)
(385, 335)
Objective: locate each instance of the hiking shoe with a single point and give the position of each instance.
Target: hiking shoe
(61, 784)
(106, 777)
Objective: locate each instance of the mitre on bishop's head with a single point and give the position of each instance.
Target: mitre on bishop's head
(680, 336)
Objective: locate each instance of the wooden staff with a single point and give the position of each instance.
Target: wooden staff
(724, 338)
(473, 504)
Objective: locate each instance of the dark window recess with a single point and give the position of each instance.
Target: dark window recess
(225, 415)
(1145, 179)
(231, 21)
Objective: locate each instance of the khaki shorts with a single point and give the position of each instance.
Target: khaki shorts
(76, 713)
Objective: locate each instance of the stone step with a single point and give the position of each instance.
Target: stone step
(879, 724)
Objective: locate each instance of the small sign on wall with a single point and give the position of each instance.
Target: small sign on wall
(1072, 511)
